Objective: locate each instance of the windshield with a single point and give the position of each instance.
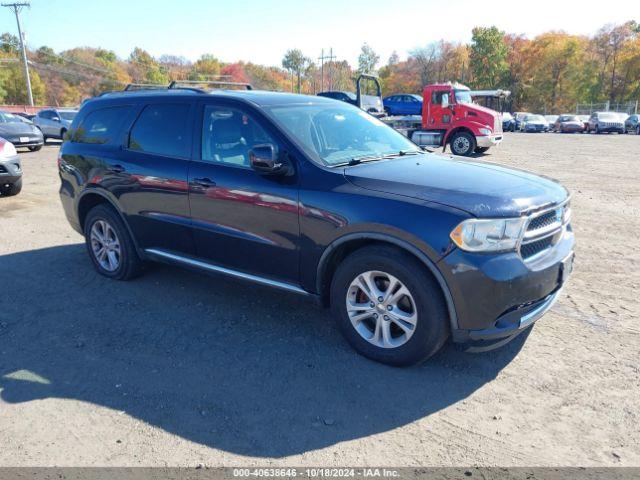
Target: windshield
(534, 118)
(336, 134)
(506, 116)
(9, 118)
(463, 96)
(569, 118)
(67, 115)
(607, 116)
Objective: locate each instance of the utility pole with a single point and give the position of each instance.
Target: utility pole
(16, 7)
(329, 58)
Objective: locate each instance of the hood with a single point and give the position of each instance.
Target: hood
(480, 189)
(536, 122)
(11, 129)
(577, 123)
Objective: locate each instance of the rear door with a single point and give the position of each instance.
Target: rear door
(242, 219)
(149, 177)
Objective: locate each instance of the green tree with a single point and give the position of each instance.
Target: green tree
(146, 69)
(9, 44)
(15, 87)
(206, 68)
(296, 63)
(488, 57)
(367, 60)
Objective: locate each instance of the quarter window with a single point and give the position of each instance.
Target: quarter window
(100, 126)
(162, 129)
(228, 135)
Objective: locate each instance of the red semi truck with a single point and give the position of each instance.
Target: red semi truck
(449, 117)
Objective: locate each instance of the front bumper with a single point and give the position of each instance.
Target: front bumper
(27, 141)
(497, 296)
(487, 141)
(10, 170)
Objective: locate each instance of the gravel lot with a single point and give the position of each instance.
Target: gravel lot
(180, 369)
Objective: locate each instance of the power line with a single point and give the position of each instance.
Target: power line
(16, 7)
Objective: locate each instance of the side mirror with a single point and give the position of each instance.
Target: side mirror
(55, 119)
(264, 158)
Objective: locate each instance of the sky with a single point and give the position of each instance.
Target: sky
(262, 31)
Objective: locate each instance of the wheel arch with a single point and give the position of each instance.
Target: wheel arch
(450, 135)
(344, 246)
(92, 198)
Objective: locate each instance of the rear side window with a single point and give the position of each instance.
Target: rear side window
(100, 126)
(162, 129)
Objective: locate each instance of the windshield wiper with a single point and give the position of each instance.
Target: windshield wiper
(402, 153)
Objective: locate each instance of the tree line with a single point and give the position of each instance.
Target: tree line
(551, 72)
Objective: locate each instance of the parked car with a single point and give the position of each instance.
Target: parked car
(585, 122)
(519, 117)
(348, 97)
(605, 122)
(318, 198)
(20, 132)
(403, 104)
(551, 120)
(632, 125)
(568, 123)
(10, 169)
(54, 123)
(508, 122)
(534, 123)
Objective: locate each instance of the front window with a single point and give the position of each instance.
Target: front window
(607, 117)
(335, 135)
(463, 96)
(67, 115)
(534, 118)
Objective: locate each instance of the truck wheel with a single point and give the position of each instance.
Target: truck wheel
(12, 189)
(109, 244)
(462, 143)
(481, 149)
(388, 306)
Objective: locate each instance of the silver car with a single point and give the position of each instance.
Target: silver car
(54, 123)
(606, 122)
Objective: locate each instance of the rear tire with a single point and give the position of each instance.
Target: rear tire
(462, 143)
(12, 189)
(103, 227)
(407, 342)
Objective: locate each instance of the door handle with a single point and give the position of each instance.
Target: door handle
(204, 182)
(116, 168)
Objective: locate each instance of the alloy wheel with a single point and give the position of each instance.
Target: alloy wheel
(381, 309)
(105, 245)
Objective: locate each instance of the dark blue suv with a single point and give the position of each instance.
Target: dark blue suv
(316, 197)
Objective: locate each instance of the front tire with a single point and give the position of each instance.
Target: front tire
(481, 149)
(462, 143)
(12, 189)
(110, 245)
(388, 306)
(35, 149)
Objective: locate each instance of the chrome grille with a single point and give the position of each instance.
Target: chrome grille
(543, 230)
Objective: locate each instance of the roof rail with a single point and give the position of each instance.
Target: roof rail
(144, 86)
(178, 83)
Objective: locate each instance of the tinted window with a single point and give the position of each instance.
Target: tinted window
(436, 97)
(162, 129)
(228, 135)
(100, 126)
(46, 114)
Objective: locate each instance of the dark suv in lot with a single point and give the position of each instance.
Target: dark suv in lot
(316, 197)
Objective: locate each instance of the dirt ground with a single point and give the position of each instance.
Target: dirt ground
(180, 369)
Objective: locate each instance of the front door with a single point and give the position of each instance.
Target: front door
(242, 219)
(440, 116)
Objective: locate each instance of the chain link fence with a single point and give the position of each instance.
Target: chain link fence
(625, 107)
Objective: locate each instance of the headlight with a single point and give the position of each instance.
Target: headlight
(485, 131)
(488, 235)
(7, 149)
